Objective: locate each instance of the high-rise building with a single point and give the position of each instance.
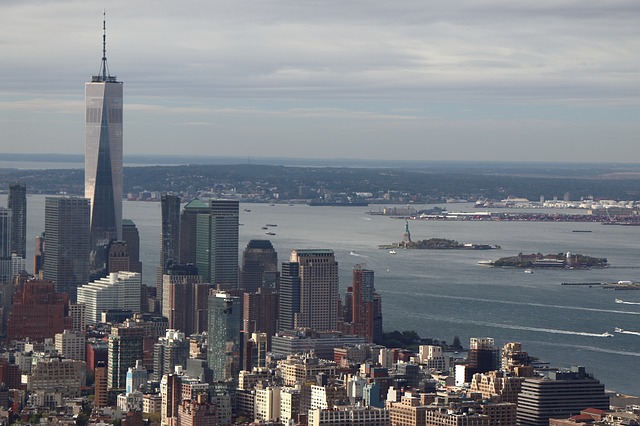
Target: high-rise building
(131, 236)
(118, 258)
(560, 394)
(217, 244)
(170, 237)
(71, 345)
(38, 256)
(67, 243)
(38, 312)
(103, 159)
(17, 203)
(224, 345)
(289, 304)
(120, 290)
(362, 310)
(259, 266)
(188, 223)
(101, 386)
(125, 348)
(170, 351)
(5, 244)
(483, 356)
(261, 312)
(318, 289)
(136, 377)
(185, 299)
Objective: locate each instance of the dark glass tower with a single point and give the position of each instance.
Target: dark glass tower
(217, 244)
(66, 227)
(224, 345)
(259, 266)
(289, 295)
(170, 237)
(18, 204)
(103, 161)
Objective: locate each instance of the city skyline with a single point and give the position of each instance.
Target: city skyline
(376, 80)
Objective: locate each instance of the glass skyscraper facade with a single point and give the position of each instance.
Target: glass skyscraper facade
(66, 227)
(224, 344)
(103, 161)
(17, 202)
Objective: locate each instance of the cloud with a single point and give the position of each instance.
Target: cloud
(361, 60)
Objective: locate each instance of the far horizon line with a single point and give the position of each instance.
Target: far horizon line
(184, 159)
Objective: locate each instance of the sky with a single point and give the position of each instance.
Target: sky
(494, 80)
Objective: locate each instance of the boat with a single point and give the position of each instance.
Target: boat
(606, 334)
(392, 252)
(580, 230)
(618, 330)
(353, 253)
(270, 233)
(271, 224)
(485, 262)
(528, 271)
(619, 301)
(247, 210)
(264, 227)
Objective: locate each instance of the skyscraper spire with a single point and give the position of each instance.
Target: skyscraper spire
(103, 74)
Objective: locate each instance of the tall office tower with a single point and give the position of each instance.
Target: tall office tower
(125, 347)
(259, 266)
(5, 245)
(185, 299)
(289, 295)
(217, 244)
(318, 289)
(38, 312)
(170, 237)
(261, 312)
(67, 242)
(118, 259)
(188, 222)
(170, 352)
(38, 256)
(362, 313)
(131, 236)
(103, 160)
(559, 395)
(224, 345)
(17, 203)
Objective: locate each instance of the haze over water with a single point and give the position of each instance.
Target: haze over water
(441, 294)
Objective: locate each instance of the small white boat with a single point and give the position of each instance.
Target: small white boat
(618, 330)
(485, 262)
(619, 301)
(606, 334)
(353, 253)
(528, 271)
(392, 252)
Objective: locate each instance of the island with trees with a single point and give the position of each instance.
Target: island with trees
(560, 260)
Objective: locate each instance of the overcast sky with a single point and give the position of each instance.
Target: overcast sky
(544, 80)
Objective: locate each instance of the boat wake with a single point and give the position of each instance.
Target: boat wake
(353, 253)
(627, 303)
(515, 326)
(586, 348)
(621, 331)
(512, 302)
